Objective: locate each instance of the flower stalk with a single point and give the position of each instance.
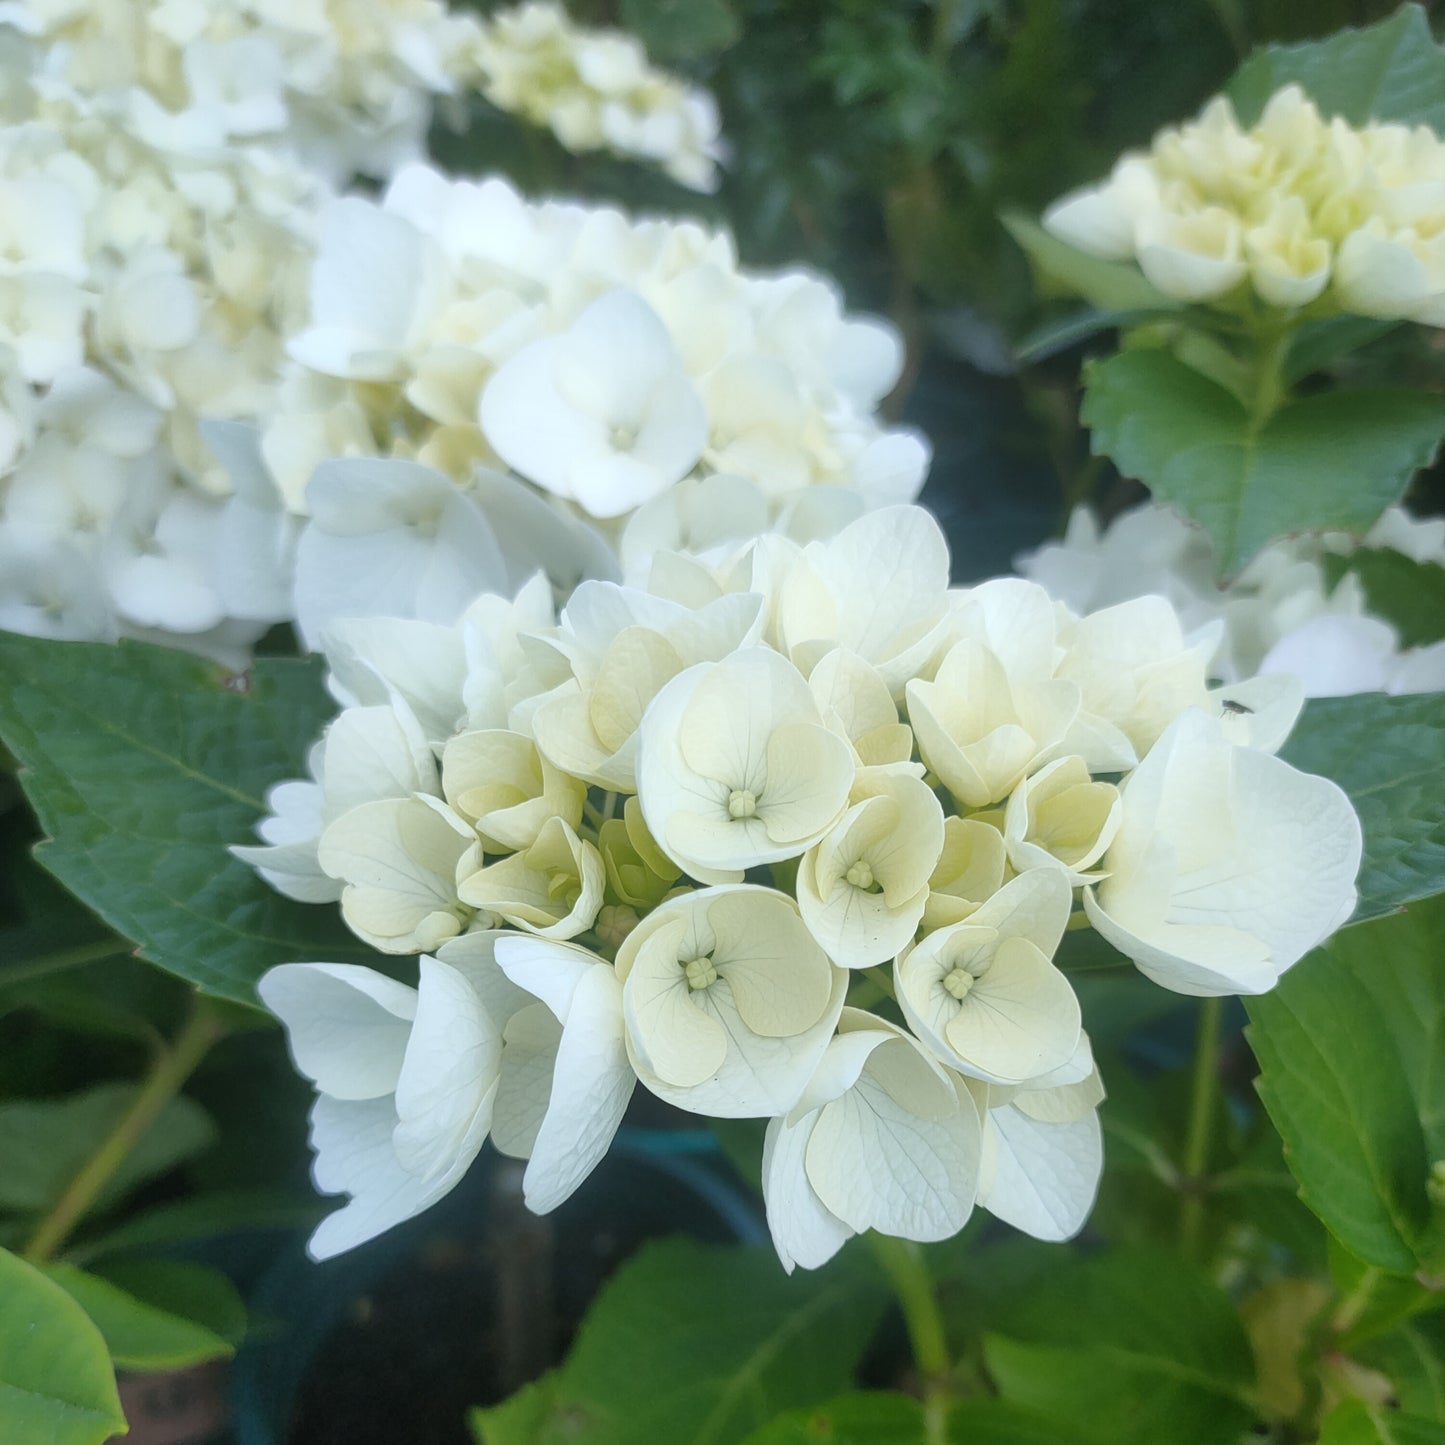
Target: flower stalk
(1203, 1101)
(902, 1261)
(174, 1064)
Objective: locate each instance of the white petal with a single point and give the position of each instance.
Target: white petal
(877, 1164)
(347, 1026)
(1040, 1178)
(592, 1084)
(449, 1077)
(354, 1154)
(804, 1231)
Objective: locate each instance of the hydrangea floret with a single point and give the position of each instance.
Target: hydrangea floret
(1296, 210)
(769, 891)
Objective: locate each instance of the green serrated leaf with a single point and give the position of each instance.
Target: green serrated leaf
(1328, 462)
(729, 1341)
(1319, 343)
(1355, 1422)
(1388, 754)
(139, 1335)
(1358, 1093)
(56, 1382)
(1130, 1348)
(1390, 71)
(1409, 595)
(144, 764)
(1107, 285)
(44, 1142)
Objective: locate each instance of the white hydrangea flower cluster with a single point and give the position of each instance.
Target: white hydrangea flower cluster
(142, 290)
(791, 833)
(1295, 210)
(347, 84)
(595, 90)
(1280, 615)
(620, 366)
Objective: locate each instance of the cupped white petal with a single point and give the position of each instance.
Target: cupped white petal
(347, 1026)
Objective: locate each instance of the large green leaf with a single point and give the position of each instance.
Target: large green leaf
(44, 1143)
(1356, 1423)
(144, 765)
(1388, 754)
(698, 1343)
(56, 1383)
(1332, 461)
(201, 1216)
(1131, 1348)
(876, 1418)
(1390, 71)
(144, 1336)
(1352, 1071)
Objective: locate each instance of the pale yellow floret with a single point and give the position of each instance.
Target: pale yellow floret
(1296, 208)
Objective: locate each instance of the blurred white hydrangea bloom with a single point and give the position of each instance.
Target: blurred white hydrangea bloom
(583, 377)
(1281, 615)
(144, 290)
(595, 90)
(1298, 208)
(445, 391)
(689, 837)
(347, 85)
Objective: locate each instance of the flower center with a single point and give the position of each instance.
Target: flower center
(959, 982)
(860, 875)
(699, 972)
(741, 803)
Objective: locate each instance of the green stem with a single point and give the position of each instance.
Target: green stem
(62, 959)
(173, 1066)
(1203, 1099)
(1349, 1310)
(1270, 390)
(902, 1262)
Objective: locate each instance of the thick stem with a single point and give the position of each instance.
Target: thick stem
(173, 1066)
(902, 1262)
(1203, 1099)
